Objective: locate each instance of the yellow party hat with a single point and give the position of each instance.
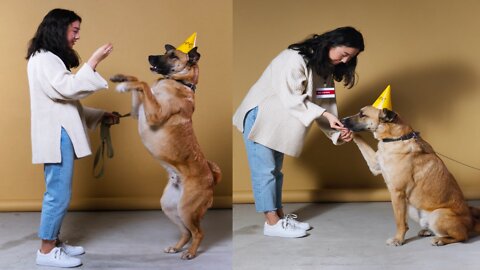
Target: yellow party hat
(188, 44)
(384, 100)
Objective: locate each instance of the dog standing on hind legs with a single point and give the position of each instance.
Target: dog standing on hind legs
(418, 181)
(164, 112)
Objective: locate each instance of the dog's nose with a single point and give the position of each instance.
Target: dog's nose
(152, 59)
(346, 122)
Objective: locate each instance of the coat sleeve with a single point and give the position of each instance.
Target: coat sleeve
(64, 85)
(93, 116)
(291, 82)
(332, 134)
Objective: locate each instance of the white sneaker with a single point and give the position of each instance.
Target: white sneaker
(283, 228)
(72, 250)
(57, 258)
(292, 218)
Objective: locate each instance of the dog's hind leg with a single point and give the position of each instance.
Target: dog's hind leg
(448, 227)
(191, 210)
(169, 202)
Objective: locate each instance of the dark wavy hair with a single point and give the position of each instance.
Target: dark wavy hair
(316, 49)
(51, 35)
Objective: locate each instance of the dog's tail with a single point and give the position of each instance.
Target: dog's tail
(216, 172)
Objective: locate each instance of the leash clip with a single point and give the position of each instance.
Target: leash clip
(105, 144)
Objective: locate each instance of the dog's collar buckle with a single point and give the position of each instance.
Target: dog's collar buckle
(411, 135)
(189, 85)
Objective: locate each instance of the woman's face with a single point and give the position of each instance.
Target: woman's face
(341, 54)
(73, 33)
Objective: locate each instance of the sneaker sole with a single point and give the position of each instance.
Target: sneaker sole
(58, 265)
(286, 236)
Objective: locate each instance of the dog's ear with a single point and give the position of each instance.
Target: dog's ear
(193, 56)
(169, 47)
(387, 116)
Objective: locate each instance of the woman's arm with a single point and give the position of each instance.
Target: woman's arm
(59, 83)
(292, 81)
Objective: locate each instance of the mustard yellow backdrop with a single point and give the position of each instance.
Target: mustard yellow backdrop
(133, 179)
(427, 50)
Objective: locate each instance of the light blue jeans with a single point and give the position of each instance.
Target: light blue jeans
(265, 169)
(58, 182)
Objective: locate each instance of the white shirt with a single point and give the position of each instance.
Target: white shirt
(54, 100)
(286, 111)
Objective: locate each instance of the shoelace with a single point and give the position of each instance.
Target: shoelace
(58, 253)
(291, 218)
(287, 223)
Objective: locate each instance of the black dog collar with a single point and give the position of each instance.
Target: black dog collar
(189, 85)
(192, 86)
(409, 136)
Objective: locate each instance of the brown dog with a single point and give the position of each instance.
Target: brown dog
(416, 178)
(164, 114)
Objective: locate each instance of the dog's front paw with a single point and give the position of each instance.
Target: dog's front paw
(122, 87)
(187, 255)
(118, 78)
(170, 250)
(394, 242)
(437, 241)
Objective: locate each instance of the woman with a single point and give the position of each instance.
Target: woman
(59, 122)
(295, 89)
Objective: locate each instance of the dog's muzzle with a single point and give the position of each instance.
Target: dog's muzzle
(346, 121)
(349, 123)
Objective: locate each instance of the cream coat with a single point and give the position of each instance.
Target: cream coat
(54, 101)
(286, 108)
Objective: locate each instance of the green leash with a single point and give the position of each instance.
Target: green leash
(105, 146)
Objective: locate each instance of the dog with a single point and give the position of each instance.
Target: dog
(164, 112)
(417, 179)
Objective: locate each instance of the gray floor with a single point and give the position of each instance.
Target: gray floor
(345, 236)
(118, 240)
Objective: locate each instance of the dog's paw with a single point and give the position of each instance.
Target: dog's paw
(122, 88)
(425, 233)
(437, 241)
(170, 250)
(118, 78)
(187, 255)
(394, 242)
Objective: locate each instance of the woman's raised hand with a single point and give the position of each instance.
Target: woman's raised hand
(100, 54)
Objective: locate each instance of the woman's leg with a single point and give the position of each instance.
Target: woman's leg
(263, 170)
(58, 182)
(278, 181)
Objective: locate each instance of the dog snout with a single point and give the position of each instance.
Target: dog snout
(158, 64)
(153, 60)
(346, 121)
(352, 123)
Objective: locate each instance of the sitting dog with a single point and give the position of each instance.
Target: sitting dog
(164, 112)
(417, 179)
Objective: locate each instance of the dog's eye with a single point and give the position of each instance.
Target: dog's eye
(173, 56)
(360, 114)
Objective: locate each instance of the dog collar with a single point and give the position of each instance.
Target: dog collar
(189, 85)
(409, 136)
